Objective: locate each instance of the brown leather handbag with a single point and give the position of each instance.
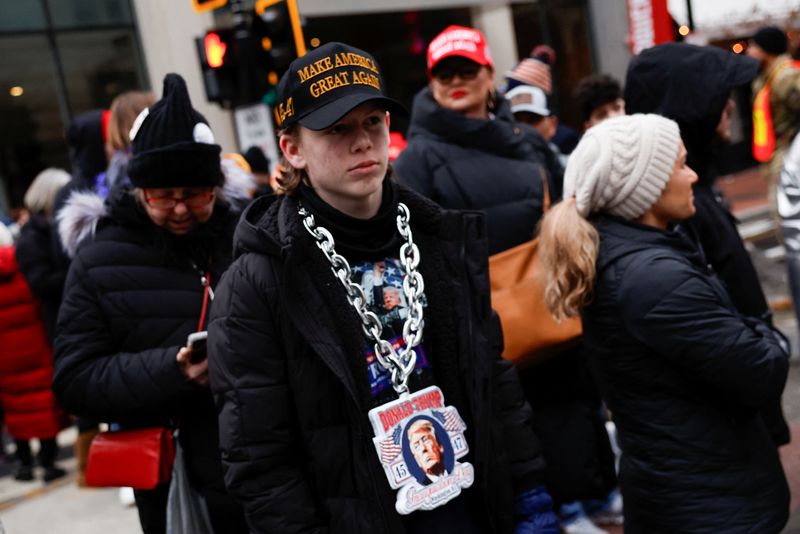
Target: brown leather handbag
(517, 283)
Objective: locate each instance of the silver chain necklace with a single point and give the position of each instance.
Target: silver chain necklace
(401, 364)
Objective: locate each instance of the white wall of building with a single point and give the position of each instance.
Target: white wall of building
(167, 29)
(497, 24)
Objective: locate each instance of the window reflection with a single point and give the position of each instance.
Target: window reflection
(89, 13)
(21, 16)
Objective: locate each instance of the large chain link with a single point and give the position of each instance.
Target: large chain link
(399, 365)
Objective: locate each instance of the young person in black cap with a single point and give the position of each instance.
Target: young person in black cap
(355, 309)
(138, 286)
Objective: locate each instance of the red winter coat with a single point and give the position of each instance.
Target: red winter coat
(26, 360)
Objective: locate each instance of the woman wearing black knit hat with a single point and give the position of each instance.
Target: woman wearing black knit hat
(141, 281)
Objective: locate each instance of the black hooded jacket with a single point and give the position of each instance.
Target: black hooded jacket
(87, 153)
(691, 85)
(291, 385)
(684, 375)
(37, 253)
(131, 298)
(489, 165)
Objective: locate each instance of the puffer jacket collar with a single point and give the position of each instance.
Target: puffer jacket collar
(621, 238)
(501, 135)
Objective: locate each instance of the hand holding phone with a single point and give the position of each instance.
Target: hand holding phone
(197, 343)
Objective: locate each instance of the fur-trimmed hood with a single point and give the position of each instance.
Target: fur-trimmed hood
(78, 219)
(83, 211)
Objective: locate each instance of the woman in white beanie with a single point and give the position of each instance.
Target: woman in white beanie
(683, 373)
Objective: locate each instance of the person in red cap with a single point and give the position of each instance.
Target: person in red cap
(463, 138)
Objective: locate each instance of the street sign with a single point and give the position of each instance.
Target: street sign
(254, 128)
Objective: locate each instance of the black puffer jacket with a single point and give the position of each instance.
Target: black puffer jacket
(684, 375)
(691, 85)
(131, 298)
(292, 396)
(38, 253)
(489, 165)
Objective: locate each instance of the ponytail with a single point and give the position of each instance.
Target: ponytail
(568, 246)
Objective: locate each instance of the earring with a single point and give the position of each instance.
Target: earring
(492, 102)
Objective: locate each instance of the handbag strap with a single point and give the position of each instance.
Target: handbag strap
(545, 190)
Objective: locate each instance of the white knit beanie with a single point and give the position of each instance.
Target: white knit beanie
(622, 165)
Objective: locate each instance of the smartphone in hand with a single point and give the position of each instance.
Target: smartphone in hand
(197, 342)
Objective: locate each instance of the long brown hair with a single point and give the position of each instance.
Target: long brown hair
(124, 110)
(568, 246)
(289, 178)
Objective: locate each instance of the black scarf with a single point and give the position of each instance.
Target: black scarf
(359, 239)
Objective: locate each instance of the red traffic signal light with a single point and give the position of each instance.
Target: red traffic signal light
(215, 49)
(219, 61)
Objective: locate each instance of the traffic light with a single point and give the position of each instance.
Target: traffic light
(219, 61)
(278, 27)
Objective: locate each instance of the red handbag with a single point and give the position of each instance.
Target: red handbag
(140, 459)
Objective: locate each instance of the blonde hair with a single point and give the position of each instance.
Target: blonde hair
(568, 246)
(124, 110)
(41, 194)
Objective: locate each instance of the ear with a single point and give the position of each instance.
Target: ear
(290, 146)
(388, 119)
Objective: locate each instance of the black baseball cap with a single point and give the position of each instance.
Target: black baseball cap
(324, 85)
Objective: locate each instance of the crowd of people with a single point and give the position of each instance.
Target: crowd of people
(318, 333)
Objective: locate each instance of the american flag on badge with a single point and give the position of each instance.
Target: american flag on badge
(450, 420)
(390, 446)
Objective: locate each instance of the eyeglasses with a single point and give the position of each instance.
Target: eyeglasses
(465, 71)
(192, 199)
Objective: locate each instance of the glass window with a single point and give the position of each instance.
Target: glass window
(16, 15)
(98, 65)
(32, 133)
(89, 13)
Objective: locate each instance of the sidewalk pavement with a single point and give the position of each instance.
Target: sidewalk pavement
(61, 507)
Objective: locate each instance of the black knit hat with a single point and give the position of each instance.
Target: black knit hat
(257, 159)
(172, 143)
(772, 40)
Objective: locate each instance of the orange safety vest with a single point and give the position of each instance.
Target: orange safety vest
(763, 130)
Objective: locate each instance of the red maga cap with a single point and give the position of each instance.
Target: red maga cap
(462, 42)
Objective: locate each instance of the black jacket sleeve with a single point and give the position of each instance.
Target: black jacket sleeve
(511, 406)
(259, 436)
(93, 379)
(37, 264)
(682, 317)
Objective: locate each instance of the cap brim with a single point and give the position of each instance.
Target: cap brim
(327, 115)
(530, 109)
(482, 61)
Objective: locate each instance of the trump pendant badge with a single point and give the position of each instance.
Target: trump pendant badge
(419, 440)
